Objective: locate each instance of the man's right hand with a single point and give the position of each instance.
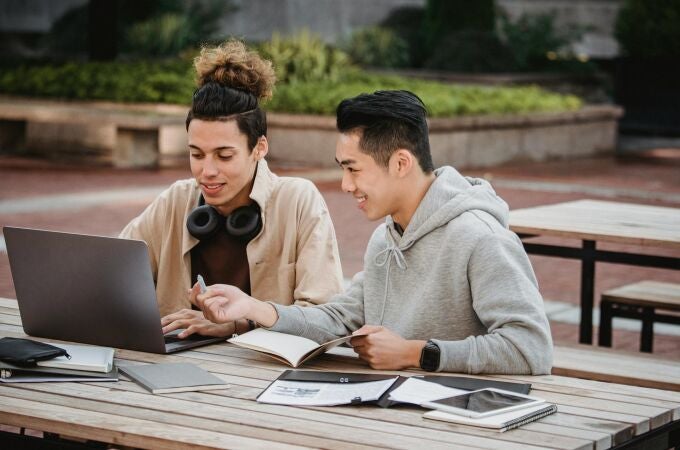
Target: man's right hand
(223, 303)
(194, 322)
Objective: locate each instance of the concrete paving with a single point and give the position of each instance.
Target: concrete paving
(102, 201)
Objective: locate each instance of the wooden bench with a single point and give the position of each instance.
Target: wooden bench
(639, 301)
(615, 366)
(99, 133)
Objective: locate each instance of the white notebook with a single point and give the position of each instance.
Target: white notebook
(499, 422)
(90, 358)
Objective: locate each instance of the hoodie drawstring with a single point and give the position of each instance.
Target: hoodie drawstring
(385, 257)
(382, 257)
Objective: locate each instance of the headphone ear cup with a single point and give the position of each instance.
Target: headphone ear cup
(204, 222)
(244, 223)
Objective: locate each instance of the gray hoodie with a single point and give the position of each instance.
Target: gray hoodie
(457, 276)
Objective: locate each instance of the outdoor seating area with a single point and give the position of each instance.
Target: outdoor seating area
(435, 224)
(639, 301)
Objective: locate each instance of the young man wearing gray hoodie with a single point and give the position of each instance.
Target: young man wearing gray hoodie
(446, 286)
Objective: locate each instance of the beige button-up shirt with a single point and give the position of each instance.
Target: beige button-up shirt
(294, 259)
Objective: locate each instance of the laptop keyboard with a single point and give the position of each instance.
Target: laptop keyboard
(172, 338)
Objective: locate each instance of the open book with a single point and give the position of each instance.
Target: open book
(287, 348)
(499, 422)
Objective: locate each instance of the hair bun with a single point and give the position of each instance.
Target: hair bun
(232, 64)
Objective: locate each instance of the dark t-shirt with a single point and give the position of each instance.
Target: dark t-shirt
(221, 260)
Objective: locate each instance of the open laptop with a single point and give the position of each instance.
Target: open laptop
(89, 289)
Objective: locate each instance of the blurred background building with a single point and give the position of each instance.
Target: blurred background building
(606, 51)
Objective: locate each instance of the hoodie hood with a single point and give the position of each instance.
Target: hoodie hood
(449, 196)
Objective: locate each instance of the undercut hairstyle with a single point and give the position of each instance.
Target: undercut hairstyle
(388, 121)
(231, 82)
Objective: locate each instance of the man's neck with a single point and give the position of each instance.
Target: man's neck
(414, 194)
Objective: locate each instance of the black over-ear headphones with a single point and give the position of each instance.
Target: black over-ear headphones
(244, 223)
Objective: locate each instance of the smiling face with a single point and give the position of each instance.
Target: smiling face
(222, 163)
(375, 187)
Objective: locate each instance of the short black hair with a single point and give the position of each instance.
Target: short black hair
(214, 101)
(388, 121)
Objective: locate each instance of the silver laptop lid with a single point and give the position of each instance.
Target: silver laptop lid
(81, 288)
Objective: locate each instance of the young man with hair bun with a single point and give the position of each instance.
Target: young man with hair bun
(235, 222)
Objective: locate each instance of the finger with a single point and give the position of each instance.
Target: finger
(358, 342)
(181, 314)
(175, 325)
(192, 329)
(212, 307)
(368, 329)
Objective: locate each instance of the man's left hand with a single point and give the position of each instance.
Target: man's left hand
(386, 350)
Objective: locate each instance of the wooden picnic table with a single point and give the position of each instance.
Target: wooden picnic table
(591, 414)
(592, 221)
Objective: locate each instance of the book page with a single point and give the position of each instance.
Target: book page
(323, 394)
(417, 391)
(290, 347)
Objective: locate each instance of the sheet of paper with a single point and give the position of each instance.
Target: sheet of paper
(304, 393)
(417, 391)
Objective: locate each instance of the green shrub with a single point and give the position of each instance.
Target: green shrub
(378, 47)
(444, 17)
(167, 82)
(649, 28)
(173, 82)
(442, 100)
(534, 42)
(470, 51)
(303, 57)
(406, 22)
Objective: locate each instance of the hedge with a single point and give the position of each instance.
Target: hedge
(173, 82)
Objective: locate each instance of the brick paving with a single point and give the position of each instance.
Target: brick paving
(559, 279)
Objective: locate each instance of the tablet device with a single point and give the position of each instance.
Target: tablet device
(483, 403)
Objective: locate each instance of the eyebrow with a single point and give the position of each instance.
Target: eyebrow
(216, 149)
(345, 162)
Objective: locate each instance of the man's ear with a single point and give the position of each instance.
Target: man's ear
(261, 148)
(402, 162)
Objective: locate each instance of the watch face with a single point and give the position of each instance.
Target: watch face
(429, 360)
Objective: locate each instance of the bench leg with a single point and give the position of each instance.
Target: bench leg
(12, 136)
(605, 335)
(647, 333)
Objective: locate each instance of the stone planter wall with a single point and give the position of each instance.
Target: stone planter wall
(154, 135)
(465, 141)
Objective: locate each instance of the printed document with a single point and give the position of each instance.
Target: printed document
(417, 391)
(304, 393)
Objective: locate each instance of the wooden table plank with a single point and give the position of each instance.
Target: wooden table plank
(619, 432)
(595, 385)
(601, 440)
(596, 364)
(120, 430)
(597, 220)
(162, 409)
(9, 303)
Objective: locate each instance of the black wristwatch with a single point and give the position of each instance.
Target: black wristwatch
(429, 357)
